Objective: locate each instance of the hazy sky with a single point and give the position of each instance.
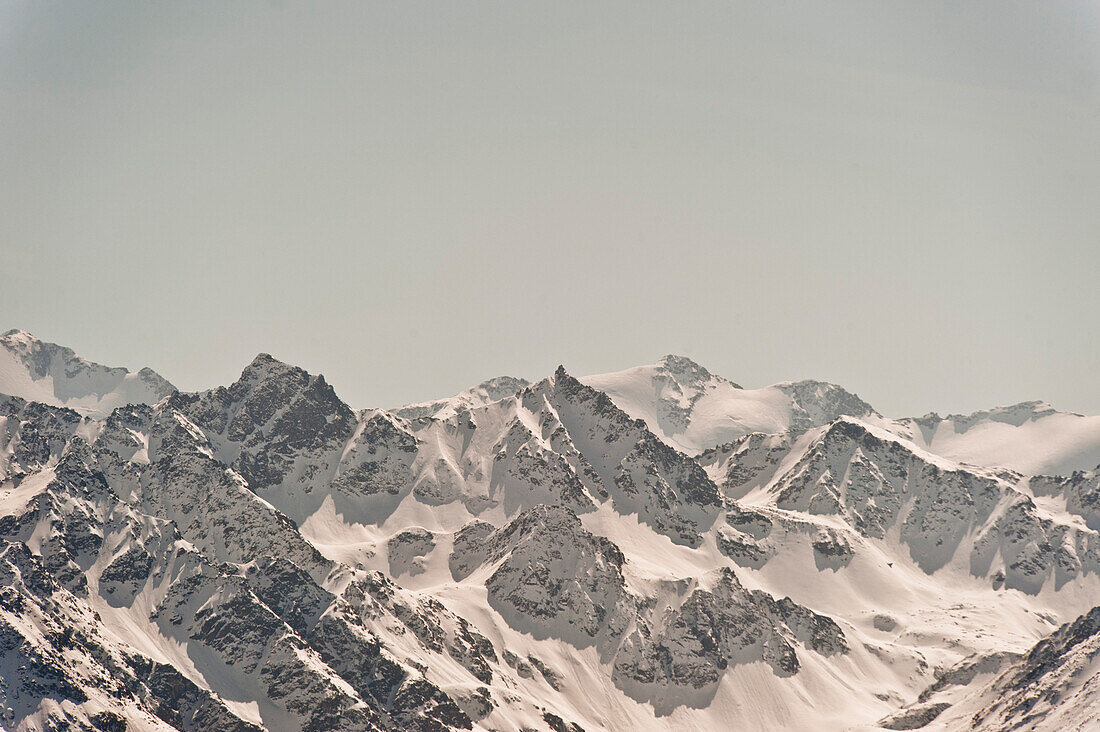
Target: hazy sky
(410, 197)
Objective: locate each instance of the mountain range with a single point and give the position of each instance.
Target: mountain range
(657, 548)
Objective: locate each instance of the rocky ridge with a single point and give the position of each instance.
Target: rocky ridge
(263, 556)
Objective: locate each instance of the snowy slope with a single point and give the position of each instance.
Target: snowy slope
(486, 392)
(693, 410)
(1054, 686)
(673, 553)
(50, 374)
(1030, 437)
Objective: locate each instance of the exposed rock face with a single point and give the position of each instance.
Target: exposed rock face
(645, 476)
(1081, 491)
(56, 376)
(750, 460)
(876, 483)
(470, 548)
(261, 556)
(914, 717)
(379, 459)
(221, 569)
(714, 628)
(831, 550)
(742, 547)
(554, 578)
(1052, 684)
(816, 403)
(406, 549)
(277, 426)
(966, 671)
(561, 442)
(54, 641)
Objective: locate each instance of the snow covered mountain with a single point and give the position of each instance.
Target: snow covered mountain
(50, 374)
(693, 410)
(1029, 437)
(653, 549)
(486, 392)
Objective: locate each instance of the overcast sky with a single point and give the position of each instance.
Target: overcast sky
(411, 197)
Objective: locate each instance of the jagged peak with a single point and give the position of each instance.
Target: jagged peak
(18, 334)
(568, 385)
(683, 366)
(269, 375)
(559, 379)
(265, 360)
(847, 428)
(265, 366)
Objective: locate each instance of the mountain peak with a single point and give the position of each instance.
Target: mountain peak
(487, 392)
(16, 335)
(1014, 414)
(689, 373)
(265, 366)
(270, 374)
(44, 372)
(820, 402)
(35, 352)
(499, 387)
(682, 365)
(337, 566)
(265, 360)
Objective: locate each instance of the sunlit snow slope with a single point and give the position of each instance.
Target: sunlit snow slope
(50, 374)
(652, 549)
(694, 410)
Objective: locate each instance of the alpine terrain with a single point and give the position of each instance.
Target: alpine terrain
(653, 549)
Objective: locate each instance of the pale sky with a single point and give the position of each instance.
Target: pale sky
(410, 197)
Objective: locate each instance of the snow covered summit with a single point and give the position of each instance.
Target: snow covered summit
(653, 549)
(695, 410)
(487, 392)
(1029, 437)
(51, 374)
